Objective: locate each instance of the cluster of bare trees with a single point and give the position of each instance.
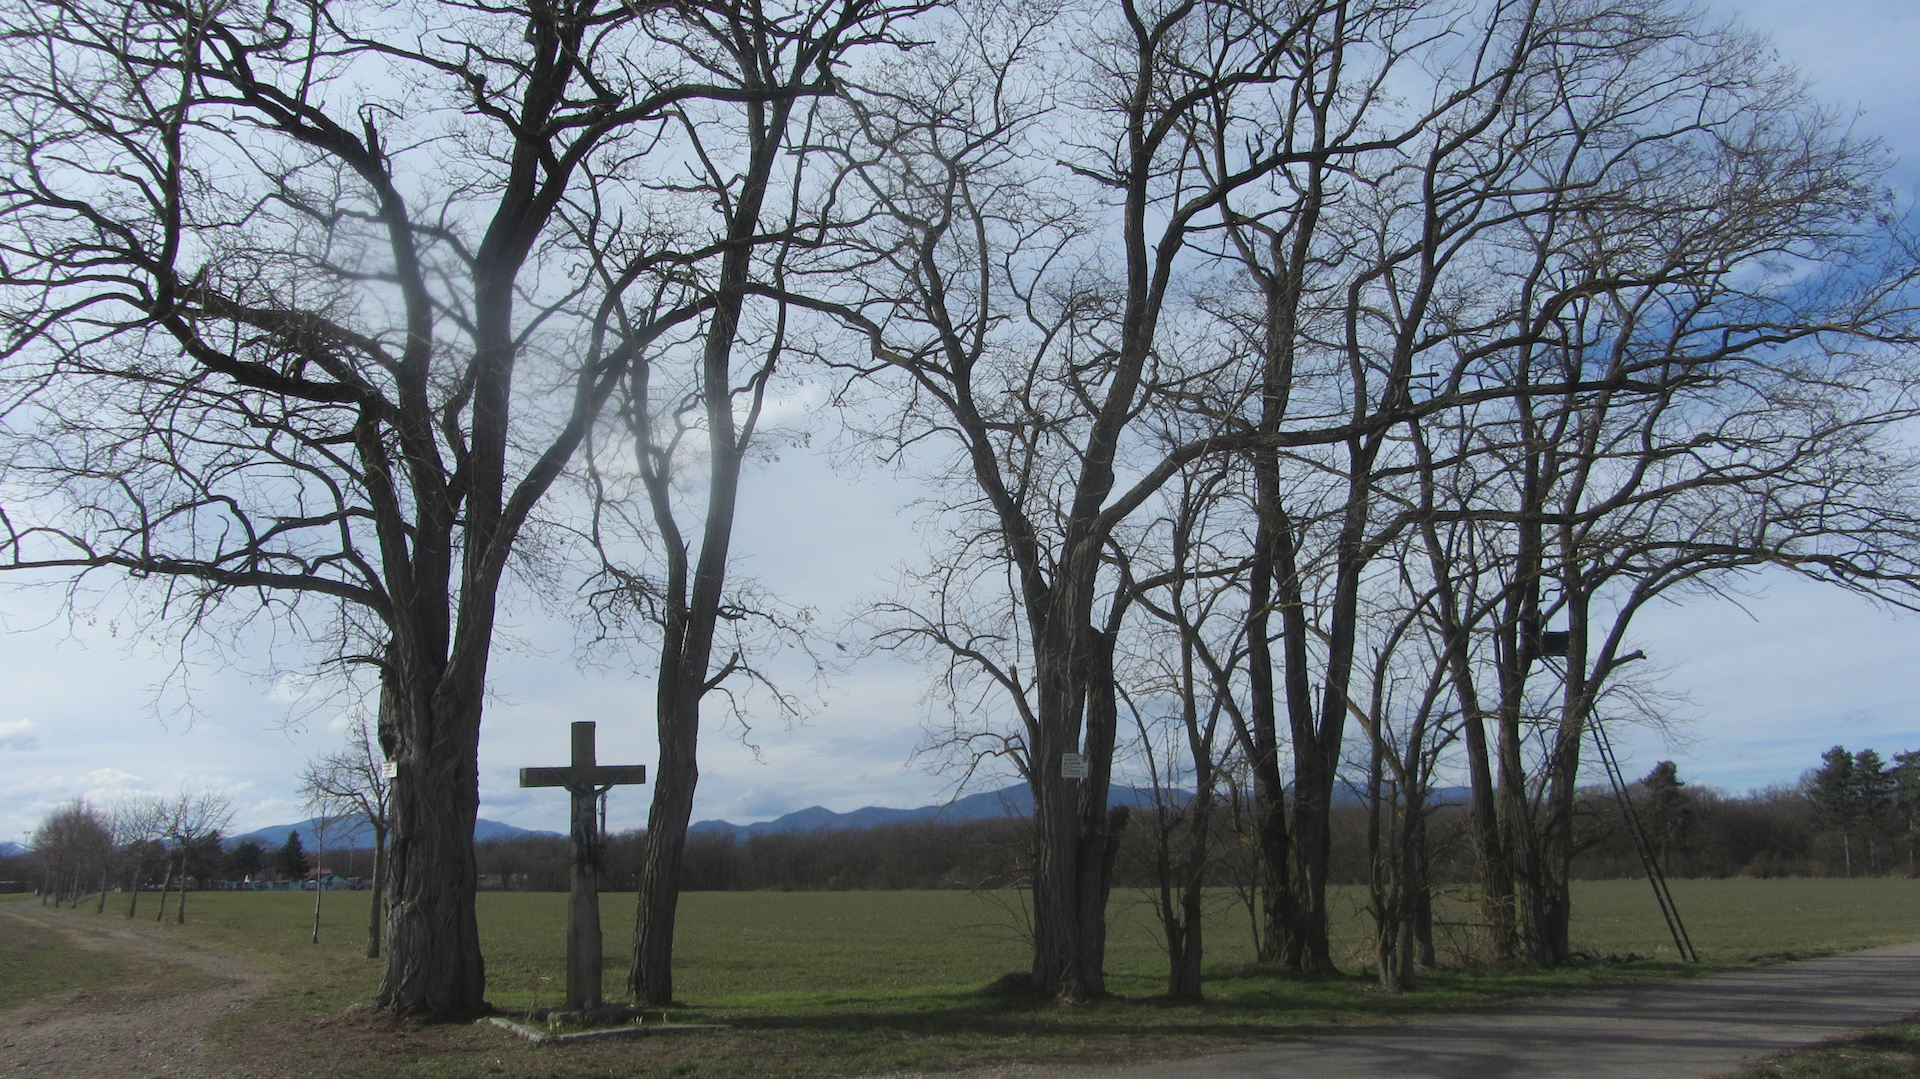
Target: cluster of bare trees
(80, 849)
(1332, 373)
(75, 853)
(1283, 365)
(309, 307)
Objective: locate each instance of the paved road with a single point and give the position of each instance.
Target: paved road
(1679, 1030)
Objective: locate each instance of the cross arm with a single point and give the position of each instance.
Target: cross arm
(604, 775)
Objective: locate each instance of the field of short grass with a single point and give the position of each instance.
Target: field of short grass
(818, 984)
(37, 962)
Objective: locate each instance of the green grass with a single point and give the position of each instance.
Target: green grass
(736, 947)
(37, 962)
(1889, 1052)
(818, 984)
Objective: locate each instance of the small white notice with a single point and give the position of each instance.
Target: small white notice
(1073, 766)
(390, 769)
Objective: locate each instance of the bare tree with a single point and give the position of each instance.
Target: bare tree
(323, 827)
(1186, 693)
(352, 785)
(188, 819)
(72, 843)
(135, 823)
(694, 404)
(1026, 307)
(1542, 189)
(297, 308)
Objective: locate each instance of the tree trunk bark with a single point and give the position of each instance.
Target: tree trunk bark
(1079, 836)
(1272, 839)
(434, 967)
(1184, 948)
(677, 773)
(319, 893)
(1555, 948)
(166, 885)
(1312, 952)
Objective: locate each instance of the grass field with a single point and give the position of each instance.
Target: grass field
(36, 962)
(838, 983)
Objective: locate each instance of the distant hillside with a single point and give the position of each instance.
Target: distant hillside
(8, 848)
(1014, 801)
(273, 837)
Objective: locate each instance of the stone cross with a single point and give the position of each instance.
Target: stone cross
(585, 781)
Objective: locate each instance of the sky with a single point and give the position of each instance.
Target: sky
(1764, 683)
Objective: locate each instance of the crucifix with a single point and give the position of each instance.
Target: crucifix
(586, 781)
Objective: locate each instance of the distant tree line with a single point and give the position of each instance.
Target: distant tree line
(907, 856)
(1856, 815)
(1853, 816)
(176, 844)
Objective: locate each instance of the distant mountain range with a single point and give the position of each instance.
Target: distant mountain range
(340, 837)
(1014, 801)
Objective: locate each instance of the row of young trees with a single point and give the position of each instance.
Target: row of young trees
(80, 850)
(1278, 365)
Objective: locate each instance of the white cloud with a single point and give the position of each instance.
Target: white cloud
(18, 734)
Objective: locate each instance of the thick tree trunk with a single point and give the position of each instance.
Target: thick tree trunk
(1184, 945)
(1311, 950)
(1496, 879)
(1079, 836)
(434, 967)
(1420, 888)
(1276, 872)
(1273, 843)
(1554, 946)
(1382, 864)
(1521, 841)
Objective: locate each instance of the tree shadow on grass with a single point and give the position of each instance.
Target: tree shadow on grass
(1244, 1005)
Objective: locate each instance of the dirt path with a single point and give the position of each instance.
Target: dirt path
(156, 1024)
